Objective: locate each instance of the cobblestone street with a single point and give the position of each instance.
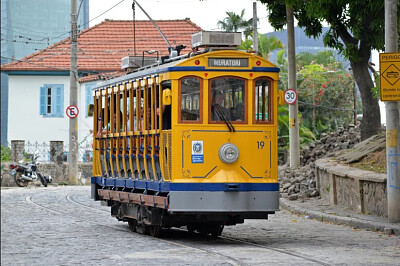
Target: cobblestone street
(63, 226)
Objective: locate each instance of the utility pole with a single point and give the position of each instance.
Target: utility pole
(392, 121)
(255, 33)
(73, 97)
(294, 142)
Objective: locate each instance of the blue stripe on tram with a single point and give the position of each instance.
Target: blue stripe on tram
(167, 186)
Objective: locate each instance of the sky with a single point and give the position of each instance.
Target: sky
(204, 13)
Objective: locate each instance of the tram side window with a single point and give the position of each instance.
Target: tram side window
(190, 99)
(262, 89)
(228, 99)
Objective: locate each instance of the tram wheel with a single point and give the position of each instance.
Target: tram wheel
(132, 224)
(191, 228)
(155, 230)
(216, 230)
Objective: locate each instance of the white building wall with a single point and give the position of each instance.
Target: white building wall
(25, 121)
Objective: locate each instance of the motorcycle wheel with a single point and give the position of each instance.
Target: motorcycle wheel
(19, 181)
(42, 179)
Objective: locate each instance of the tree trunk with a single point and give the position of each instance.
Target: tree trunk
(371, 121)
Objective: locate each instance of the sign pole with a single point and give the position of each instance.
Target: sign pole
(294, 140)
(392, 115)
(73, 98)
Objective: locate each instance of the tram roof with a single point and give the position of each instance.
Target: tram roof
(144, 72)
(174, 66)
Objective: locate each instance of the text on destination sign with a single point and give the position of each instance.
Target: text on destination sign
(228, 62)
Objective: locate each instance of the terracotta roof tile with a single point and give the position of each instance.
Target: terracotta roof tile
(101, 47)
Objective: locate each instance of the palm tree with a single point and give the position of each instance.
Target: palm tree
(234, 22)
(266, 44)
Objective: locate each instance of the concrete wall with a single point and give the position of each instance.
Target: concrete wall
(24, 119)
(360, 190)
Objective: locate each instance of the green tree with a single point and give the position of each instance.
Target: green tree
(325, 97)
(5, 154)
(266, 44)
(325, 90)
(306, 58)
(356, 27)
(234, 22)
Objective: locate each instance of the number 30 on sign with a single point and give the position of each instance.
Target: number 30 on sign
(290, 96)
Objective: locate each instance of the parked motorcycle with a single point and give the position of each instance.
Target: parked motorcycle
(29, 172)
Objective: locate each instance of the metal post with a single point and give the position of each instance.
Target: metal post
(73, 100)
(294, 143)
(392, 121)
(255, 33)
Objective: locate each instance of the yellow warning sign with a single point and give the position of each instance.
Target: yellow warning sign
(389, 67)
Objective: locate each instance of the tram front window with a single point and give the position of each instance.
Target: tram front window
(227, 99)
(190, 93)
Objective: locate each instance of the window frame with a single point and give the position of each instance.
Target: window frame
(200, 121)
(246, 92)
(57, 101)
(89, 95)
(270, 102)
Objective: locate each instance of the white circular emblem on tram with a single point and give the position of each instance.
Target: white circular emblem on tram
(228, 153)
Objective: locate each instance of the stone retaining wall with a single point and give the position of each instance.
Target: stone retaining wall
(58, 171)
(362, 191)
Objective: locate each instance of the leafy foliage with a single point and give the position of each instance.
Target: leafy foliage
(306, 135)
(325, 92)
(325, 97)
(234, 22)
(356, 27)
(266, 44)
(5, 154)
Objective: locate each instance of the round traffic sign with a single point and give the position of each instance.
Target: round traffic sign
(72, 111)
(290, 96)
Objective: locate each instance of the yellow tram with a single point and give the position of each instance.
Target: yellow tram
(191, 141)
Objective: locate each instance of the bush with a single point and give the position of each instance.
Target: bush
(5, 154)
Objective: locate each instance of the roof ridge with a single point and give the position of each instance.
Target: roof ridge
(95, 57)
(192, 23)
(143, 20)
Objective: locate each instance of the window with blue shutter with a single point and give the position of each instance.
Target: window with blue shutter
(52, 100)
(88, 97)
(42, 108)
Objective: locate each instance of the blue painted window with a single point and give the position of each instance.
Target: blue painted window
(88, 96)
(52, 100)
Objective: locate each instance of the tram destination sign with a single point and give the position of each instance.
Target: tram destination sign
(389, 68)
(228, 62)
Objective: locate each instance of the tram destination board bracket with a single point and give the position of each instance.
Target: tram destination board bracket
(389, 68)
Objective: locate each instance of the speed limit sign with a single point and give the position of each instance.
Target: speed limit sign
(290, 96)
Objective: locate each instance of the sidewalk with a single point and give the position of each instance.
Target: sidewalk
(322, 211)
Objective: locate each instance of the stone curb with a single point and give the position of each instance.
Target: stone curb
(340, 220)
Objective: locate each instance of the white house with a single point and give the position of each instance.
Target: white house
(39, 83)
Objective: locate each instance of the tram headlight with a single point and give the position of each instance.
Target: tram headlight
(228, 153)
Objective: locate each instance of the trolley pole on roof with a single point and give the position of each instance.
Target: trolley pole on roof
(392, 121)
(294, 142)
(73, 98)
